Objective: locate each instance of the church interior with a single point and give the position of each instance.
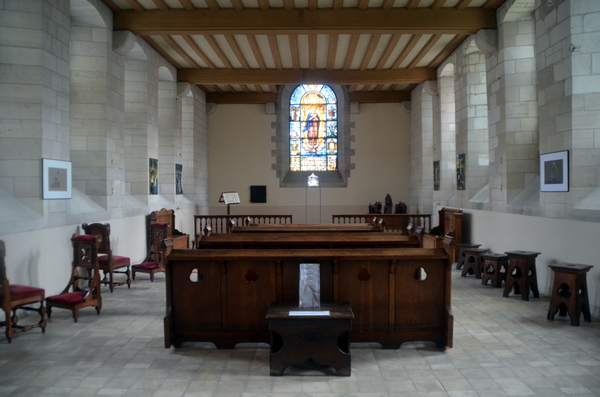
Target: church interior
(112, 110)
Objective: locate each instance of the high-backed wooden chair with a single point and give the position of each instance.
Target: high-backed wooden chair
(180, 240)
(160, 244)
(15, 296)
(76, 295)
(109, 263)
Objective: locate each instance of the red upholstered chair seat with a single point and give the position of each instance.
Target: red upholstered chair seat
(69, 298)
(157, 224)
(83, 238)
(116, 259)
(146, 265)
(18, 292)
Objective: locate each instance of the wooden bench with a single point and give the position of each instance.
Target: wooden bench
(180, 240)
(307, 240)
(309, 228)
(396, 223)
(219, 224)
(223, 295)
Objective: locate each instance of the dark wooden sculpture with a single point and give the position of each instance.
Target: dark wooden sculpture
(15, 296)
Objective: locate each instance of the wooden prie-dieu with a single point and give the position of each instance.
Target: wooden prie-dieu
(223, 295)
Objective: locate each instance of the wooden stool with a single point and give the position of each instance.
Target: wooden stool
(461, 256)
(521, 274)
(299, 339)
(473, 262)
(569, 294)
(493, 264)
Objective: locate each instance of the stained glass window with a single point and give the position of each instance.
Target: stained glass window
(313, 128)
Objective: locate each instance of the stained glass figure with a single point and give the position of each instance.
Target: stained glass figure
(313, 128)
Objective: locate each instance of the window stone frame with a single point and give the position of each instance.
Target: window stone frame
(281, 139)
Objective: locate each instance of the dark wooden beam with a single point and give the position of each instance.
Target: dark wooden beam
(282, 21)
(233, 98)
(288, 76)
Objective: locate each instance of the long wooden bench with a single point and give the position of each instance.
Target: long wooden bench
(393, 222)
(309, 228)
(222, 296)
(307, 240)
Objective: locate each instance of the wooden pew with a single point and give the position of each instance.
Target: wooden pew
(307, 240)
(450, 223)
(222, 295)
(393, 222)
(309, 228)
(180, 240)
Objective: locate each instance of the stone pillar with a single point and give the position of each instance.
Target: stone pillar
(141, 125)
(97, 117)
(512, 78)
(195, 147)
(34, 103)
(169, 139)
(421, 148)
(472, 120)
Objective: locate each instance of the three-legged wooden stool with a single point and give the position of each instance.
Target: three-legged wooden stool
(494, 269)
(521, 274)
(569, 294)
(473, 261)
(461, 256)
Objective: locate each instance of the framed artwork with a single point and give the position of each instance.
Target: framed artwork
(178, 175)
(460, 172)
(436, 175)
(153, 178)
(554, 172)
(57, 182)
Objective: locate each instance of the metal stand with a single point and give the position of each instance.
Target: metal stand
(306, 204)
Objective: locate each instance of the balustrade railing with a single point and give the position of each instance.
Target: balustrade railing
(221, 223)
(393, 222)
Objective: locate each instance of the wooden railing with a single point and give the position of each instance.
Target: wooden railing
(393, 222)
(221, 223)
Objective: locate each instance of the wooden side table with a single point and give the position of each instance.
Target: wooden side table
(473, 262)
(521, 274)
(492, 269)
(569, 294)
(321, 339)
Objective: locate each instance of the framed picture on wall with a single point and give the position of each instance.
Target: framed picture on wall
(57, 180)
(436, 175)
(178, 179)
(554, 172)
(460, 172)
(153, 177)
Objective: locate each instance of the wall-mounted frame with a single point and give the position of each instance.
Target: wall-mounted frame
(178, 179)
(57, 182)
(153, 177)
(554, 172)
(436, 175)
(460, 172)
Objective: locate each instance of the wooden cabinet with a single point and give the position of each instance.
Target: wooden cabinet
(222, 296)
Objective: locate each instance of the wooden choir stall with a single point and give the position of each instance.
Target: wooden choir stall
(223, 295)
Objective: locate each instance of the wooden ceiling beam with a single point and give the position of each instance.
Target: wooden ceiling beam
(187, 4)
(279, 20)
(233, 98)
(289, 76)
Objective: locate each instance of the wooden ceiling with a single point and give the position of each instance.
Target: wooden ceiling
(239, 51)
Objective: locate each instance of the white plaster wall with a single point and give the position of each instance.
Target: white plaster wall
(43, 258)
(557, 240)
(240, 155)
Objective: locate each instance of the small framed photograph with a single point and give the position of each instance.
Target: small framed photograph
(57, 180)
(554, 172)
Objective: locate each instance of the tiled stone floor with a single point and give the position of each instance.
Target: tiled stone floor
(502, 347)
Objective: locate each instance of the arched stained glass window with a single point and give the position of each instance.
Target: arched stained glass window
(313, 128)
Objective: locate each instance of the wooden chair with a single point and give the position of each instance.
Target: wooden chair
(109, 263)
(15, 296)
(76, 296)
(160, 245)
